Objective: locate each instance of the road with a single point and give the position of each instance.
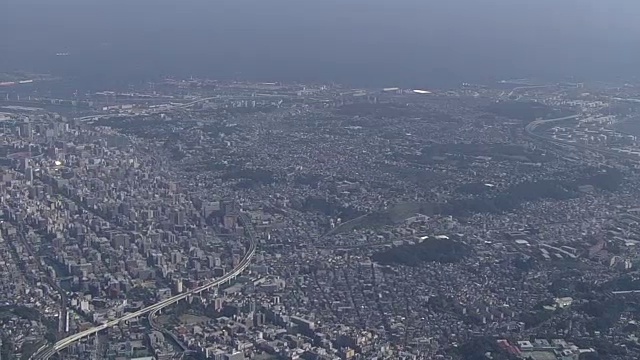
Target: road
(531, 127)
(52, 282)
(534, 124)
(516, 89)
(151, 112)
(46, 352)
(151, 318)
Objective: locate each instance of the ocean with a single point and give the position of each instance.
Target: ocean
(408, 43)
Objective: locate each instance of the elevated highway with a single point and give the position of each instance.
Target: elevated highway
(530, 130)
(151, 317)
(45, 353)
(150, 112)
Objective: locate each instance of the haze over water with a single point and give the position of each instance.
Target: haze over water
(421, 43)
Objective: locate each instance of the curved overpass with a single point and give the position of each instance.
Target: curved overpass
(531, 127)
(46, 353)
(151, 317)
(530, 130)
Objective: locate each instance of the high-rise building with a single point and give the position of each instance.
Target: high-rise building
(229, 221)
(66, 325)
(178, 286)
(176, 257)
(26, 131)
(179, 217)
(218, 304)
(29, 174)
(229, 207)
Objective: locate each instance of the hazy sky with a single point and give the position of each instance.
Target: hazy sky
(360, 41)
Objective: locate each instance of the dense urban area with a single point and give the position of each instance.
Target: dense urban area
(203, 219)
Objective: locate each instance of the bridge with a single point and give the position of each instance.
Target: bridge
(45, 352)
